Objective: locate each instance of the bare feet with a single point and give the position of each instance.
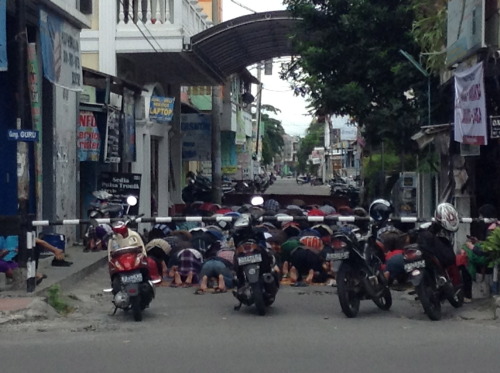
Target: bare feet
(204, 283)
(310, 276)
(177, 279)
(294, 276)
(222, 284)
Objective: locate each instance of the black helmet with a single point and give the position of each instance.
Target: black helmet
(380, 210)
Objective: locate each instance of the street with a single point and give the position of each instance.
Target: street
(304, 331)
(290, 186)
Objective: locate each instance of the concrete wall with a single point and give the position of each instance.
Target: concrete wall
(65, 165)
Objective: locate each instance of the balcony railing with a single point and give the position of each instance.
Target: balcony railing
(158, 14)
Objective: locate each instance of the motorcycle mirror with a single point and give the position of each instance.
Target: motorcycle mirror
(131, 200)
(257, 200)
(242, 221)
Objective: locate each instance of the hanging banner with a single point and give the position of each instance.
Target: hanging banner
(112, 142)
(161, 109)
(470, 106)
(128, 127)
(3, 35)
(60, 52)
(197, 138)
(89, 140)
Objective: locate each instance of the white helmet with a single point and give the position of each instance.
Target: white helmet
(447, 216)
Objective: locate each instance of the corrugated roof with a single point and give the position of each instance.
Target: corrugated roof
(231, 46)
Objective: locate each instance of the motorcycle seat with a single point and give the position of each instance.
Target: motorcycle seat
(125, 250)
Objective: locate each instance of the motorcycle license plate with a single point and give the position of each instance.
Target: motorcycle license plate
(414, 265)
(132, 278)
(340, 255)
(249, 259)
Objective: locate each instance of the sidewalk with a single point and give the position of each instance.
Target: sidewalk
(84, 263)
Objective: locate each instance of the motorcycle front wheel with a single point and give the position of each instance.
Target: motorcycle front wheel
(456, 298)
(427, 293)
(258, 299)
(135, 304)
(385, 300)
(346, 289)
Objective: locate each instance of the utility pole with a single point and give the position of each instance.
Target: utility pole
(216, 125)
(25, 245)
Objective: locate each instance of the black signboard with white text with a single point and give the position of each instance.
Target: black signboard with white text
(495, 127)
(122, 185)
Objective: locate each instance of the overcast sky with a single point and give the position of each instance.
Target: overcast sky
(293, 116)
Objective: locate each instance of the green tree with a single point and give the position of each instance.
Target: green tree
(272, 141)
(314, 137)
(349, 64)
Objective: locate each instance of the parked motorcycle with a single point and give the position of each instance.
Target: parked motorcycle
(244, 187)
(432, 280)
(360, 275)
(102, 207)
(199, 188)
(261, 182)
(349, 192)
(303, 179)
(256, 282)
(130, 269)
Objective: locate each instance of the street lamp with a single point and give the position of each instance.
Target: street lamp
(427, 75)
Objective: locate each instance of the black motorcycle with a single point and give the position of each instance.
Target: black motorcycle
(349, 192)
(199, 188)
(102, 207)
(431, 281)
(256, 282)
(360, 275)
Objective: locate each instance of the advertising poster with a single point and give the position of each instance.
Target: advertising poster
(470, 106)
(112, 142)
(89, 140)
(121, 185)
(161, 109)
(196, 137)
(128, 127)
(3, 35)
(60, 52)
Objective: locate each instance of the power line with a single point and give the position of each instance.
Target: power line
(142, 33)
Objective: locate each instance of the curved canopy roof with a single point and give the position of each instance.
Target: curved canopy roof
(211, 56)
(231, 46)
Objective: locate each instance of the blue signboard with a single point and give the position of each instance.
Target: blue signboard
(161, 109)
(22, 135)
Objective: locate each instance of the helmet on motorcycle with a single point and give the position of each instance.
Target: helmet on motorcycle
(312, 242)
(380, 210)
(165, 229)
(120, 228)
(272, 205)
(447, 217)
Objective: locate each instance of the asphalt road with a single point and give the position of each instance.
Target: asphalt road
(304, 331)
(290, 186)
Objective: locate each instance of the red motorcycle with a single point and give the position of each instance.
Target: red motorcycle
(133, 274)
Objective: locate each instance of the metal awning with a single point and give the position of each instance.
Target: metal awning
(427, 134)
(211, 56)
(231, 46)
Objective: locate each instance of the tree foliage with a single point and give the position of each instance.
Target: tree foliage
(350, 64)
(314, 137)
(272, 140)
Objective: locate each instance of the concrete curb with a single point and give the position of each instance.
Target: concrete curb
(70, 280)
